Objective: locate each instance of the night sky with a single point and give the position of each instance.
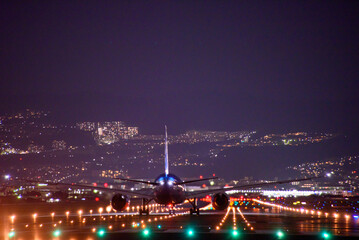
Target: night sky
(218, 65)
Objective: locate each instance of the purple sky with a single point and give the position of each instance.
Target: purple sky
(274, 65)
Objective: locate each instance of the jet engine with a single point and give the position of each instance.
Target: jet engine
(220, 201)
(119, 202)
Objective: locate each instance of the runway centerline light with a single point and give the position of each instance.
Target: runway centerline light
(190, 232)
(159, 226)
(235, 233)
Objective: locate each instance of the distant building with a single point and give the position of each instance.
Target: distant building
(131, 132)
(59, 145)
(111, 132)
(86, 126)
(113, 173)
(32, 148)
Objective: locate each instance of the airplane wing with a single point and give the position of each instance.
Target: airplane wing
(136, 181)
(201, 193)
(138, 193)
(196, 180)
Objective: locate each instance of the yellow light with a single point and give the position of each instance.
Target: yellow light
(12, 218)
(108, 209)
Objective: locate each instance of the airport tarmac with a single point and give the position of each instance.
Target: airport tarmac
(95, 221)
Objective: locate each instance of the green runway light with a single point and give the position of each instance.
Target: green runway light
(101, 232)
(159, 226)
(326, 235)
(235, 233)
(56, 233)
(190, 233)
(146, 232)
(280, 234)
(11, 234)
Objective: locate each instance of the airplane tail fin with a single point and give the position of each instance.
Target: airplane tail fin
(166, 152)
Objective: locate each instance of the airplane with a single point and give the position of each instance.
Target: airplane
(169, 190)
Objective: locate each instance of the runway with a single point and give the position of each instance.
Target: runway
(95, 221)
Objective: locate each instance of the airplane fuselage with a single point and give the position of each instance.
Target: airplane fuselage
(167, 191)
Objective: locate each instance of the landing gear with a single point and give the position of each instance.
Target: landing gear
(194, 209)
(144, 210)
